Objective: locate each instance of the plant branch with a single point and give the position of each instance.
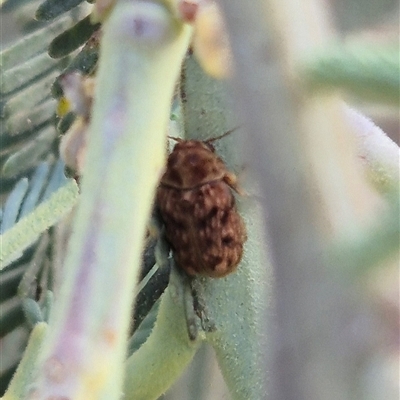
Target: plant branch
(141, 53)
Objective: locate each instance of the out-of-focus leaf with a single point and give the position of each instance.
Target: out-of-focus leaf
(365, 71)
(9, 281)
(50, 9)
(47, 305)
(65, 122)
(32, 44)
(24, 17)
(56, 180)
(29, 120)
(72, 38)
(28, 283)
(12, 5)
(30, 154)
(29, 71)
(11, 316)
(29, 97)
(371, 247)
(84, 62)
(32, 311)
(13, 204)
(36, 186)
(5, 377)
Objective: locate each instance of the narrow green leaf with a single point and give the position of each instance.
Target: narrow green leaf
(29, 120)
(11, 316)
(13, 204)
(24, 17)
(56, 180)
(150, 293)
(65, 122)
(9, 281)
(7, 6)
(32, 44)
(30, 154)
(48, 304)
(36, 185)
(72, 38)
(28, 284)
(27, 230)
(32, 311)
(28, 72)
(50, 9)
(29, 97)
(144, 330)
(84, 62)
(5, 377)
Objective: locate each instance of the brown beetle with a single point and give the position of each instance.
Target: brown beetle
(197, 205)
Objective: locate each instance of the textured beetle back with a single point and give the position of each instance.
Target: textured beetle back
(191, 164)
(203, 227)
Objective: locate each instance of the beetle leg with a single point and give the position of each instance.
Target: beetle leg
(185, 289)
(191, 317)
(200, 307)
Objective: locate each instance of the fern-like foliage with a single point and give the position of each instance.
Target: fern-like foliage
(29, 274)
(58, 37)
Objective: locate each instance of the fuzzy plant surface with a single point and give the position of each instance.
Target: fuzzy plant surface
(317, 201)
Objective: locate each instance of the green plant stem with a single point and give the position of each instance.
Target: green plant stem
(126, 153)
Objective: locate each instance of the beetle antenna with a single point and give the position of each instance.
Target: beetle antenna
(221, 136)
(177, 139)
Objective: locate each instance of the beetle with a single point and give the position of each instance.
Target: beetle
(196, 203)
